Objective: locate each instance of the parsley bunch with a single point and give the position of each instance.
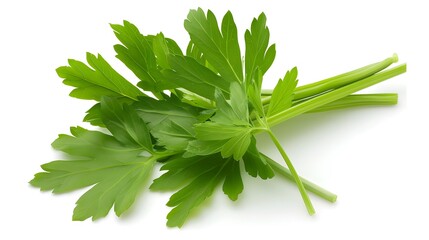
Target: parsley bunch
(195, 112)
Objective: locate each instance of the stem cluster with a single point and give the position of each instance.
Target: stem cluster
(330, 94)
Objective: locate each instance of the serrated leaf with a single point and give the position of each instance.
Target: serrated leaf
(233, 185)
(229, 130)
(194, 99)
(155, 111)
(173, 47)
(117, 171)
(138, 55)
(96, 82)
(161, 51)
(231, 141)
(220, 47)
(255, 164)
(234, 139)
(169, 120)
(162, 47)
(213, 131)
(200, 188)
(239, 103)
(254, 95)
(237, 146)
(119, 188)
(282, 96)
(258, 55)
(137, 46)
(226, 113)
(93, 115)
(258, 59)
(202, 148)
(92, 144)
(124, 123)
(181, 171)
(187, 73)
(193, 52)
(173, 136)
(270, 55)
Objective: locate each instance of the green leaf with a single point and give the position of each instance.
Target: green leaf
(170, 121)
(270, 55)
(255, 164)
(233, 185)
(136, 46)
(258, 59)
(229, 130)
(138, 55)
(235, 139)
(196, 177)
(125, 125)
(220, 47)
(118, 172)
(181, 171)
(200, 188)
(161, 51)
(194, 99)
(173, 47)
(258, 55)
(162, 47)
(254, 95)
(239, 103)
(234, 112)
(93, 144)
(170, 109)
(202, 148)
(235, 142)
(193, 52)
(237, 146)
(173, 136)
(282, 96)
(101, 80)
(187, 73)
(119, 188)
(213, 131)
(93, 115)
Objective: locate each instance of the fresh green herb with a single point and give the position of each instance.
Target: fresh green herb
(200, 124)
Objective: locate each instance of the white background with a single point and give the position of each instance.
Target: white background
(375, 159)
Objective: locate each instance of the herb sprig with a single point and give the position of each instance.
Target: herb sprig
(197, 116)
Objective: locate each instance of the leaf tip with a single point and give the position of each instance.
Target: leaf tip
(262, 17)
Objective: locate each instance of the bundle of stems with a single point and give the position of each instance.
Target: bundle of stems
(332, 94)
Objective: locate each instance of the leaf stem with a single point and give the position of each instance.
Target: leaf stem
(294, 174)
(354, 100)
(335, 95)
(309, 186)
(357, 100)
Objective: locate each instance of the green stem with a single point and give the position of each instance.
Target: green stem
(310, 186)
(346, 102)
(357, 100)
(354, 100)
(335, 95)
(295, 176)
(319, 87)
